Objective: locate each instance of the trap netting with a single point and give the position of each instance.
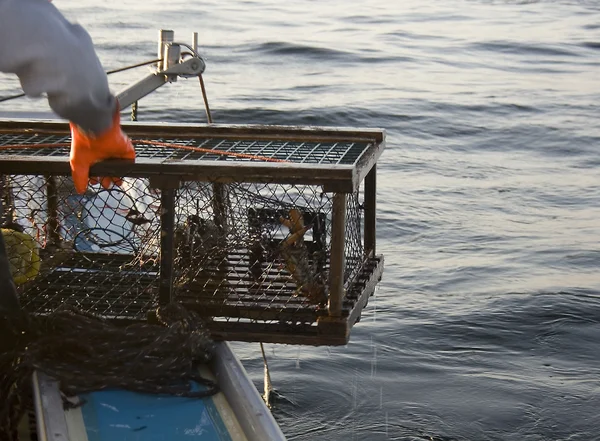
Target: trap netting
(233, 251)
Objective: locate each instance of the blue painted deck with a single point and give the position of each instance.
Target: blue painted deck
(127, 416)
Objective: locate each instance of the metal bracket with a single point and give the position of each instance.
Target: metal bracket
(172, 66)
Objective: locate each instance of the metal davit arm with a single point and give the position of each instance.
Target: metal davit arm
(170, 68)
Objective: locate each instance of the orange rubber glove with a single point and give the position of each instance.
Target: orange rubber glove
(87, 150)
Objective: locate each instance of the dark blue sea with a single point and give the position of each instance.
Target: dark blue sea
(486, 325)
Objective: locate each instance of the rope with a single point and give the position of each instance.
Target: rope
(205, 97)
(11, 97)
(110, 72)
(133, 66)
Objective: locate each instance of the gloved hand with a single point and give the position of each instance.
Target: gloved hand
(88, 149)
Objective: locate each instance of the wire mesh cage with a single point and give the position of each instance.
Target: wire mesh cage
(267, 232)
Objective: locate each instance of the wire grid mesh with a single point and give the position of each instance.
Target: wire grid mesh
(310, 152)
(101, 251)
(229, 248)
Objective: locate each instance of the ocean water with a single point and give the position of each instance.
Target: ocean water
(486, 325)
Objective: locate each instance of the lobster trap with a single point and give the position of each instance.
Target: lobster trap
(266, 231)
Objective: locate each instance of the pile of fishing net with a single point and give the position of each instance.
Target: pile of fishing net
(85, 353)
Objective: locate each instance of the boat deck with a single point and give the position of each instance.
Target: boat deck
(237, 413)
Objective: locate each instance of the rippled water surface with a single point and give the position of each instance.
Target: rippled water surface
(487, 322)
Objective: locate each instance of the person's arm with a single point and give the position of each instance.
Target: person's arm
(53, 56)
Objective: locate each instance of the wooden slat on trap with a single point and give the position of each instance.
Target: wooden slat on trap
(235, 311)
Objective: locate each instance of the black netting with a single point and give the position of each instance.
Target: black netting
(229, 253)
(94, 251)
(85, 353)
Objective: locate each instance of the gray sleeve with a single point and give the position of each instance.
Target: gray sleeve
(54, 57)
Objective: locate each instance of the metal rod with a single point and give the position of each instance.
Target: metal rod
(205, 98)
(167, 232)
(370, 213)
(165, 36)
(337, 260)
(134, 111)
(7, 204)
(195, 41)
(268, 386)
(201, 80)
(171, 58)
(52, 196)
(133, 66)
(220, 204)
